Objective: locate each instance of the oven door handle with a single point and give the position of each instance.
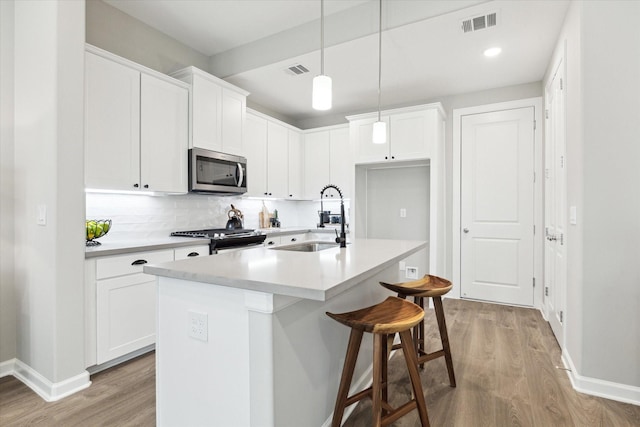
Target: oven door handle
(240, 174)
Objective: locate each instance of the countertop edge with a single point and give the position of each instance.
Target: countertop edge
(116, 248)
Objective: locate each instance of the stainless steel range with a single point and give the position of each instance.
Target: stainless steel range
(223, 238)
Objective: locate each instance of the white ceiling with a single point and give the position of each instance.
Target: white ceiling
(424, 52)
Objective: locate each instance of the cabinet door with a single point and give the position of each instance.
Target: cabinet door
(411, 134)
(234, 106)
(126, 315)
(366, 150)
(206, 113)
(112, 125)
(341, 165)
(316, 163)
(256, 147)
(296, 161)
(164, 135)
(277, 160)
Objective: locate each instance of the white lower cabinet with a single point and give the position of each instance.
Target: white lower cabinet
(126, 315)
(190, 252)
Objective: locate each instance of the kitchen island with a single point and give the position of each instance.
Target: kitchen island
(243, 339)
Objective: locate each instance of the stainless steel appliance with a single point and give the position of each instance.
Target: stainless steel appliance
(223, 238)
(214, 172)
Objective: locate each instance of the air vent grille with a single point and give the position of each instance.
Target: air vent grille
(481, 22)
(296, 70)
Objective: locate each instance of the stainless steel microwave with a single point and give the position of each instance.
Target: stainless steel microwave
(214, 172)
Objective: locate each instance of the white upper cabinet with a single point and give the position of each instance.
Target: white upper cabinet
(256, 154)
(296, 162)
(218, 112)
(164, 130)
(327, 161)
(136, 126)
(412, 134)
(270, 167)
(277, 160)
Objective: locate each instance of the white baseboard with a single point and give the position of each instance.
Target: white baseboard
(46, 389)
(601, 388)
(7, 367)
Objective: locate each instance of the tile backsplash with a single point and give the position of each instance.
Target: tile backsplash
(151, 217)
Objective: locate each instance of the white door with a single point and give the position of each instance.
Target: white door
(555, 220)
(497, 206)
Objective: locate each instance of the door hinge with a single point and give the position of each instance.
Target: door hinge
(561, 239)
(534, 282)
(534, 229)
(546, 291)
(546, 113)
(534, 125)
(561, 84)
(562, 162)
(534, 177)
(561, 317)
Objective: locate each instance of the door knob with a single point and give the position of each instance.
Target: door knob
(466, 230)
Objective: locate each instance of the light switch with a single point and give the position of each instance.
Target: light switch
(573, 215)
(403, 213)
(42, 215)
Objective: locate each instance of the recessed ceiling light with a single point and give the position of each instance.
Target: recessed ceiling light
(493, 51)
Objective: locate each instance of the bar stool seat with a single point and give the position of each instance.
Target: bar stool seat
(393, 315)
(428, 287)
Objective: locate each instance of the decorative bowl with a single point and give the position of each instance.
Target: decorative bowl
(96, 228)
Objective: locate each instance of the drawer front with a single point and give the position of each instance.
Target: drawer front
(272, 241)
(293, 238)
(121, 265)
(191, 251)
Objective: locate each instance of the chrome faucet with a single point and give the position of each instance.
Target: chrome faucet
(343, 235)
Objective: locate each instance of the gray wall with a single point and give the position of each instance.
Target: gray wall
(115, 31)
(7, 305)
(611, 213)
(602, 326)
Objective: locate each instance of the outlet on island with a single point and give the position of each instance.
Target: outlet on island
(198, 326)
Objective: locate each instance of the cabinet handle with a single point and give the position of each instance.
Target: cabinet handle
(270, 194)
(290, 195)
(386, 157)
(271, 243)
(193, 254)
(146, 186)
(139, 262)
(393, 157)
(136, 185)
(293, 239)
(266, 194)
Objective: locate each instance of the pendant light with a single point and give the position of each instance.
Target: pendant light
(379, 127)
(321, 97)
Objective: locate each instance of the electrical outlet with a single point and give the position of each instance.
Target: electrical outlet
(198, 326)
(411, 272)
(403, 213)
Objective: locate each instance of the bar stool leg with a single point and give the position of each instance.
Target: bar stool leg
(355, 339)
(412, 366)
(444, 337)
(376, 387)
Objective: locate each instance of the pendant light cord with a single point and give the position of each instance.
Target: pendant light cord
(379, 57)
(322, 37)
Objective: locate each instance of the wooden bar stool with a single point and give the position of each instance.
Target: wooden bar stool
(428, 287)
(393, 315)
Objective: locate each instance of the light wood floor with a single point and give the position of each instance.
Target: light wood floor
(505, 361)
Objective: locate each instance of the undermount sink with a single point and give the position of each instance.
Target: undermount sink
(307, 246)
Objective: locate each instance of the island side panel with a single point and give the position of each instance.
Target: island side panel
(309, 352)
(198, 382)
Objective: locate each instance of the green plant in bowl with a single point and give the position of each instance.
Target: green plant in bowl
(96, 228)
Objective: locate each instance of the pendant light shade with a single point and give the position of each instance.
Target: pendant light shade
(321, 99)
(379, 127)
(321, 95)
(379, 132)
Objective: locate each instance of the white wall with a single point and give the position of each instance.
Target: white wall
(49, 63)
(611, 213)
(7, 305)
(602, 326)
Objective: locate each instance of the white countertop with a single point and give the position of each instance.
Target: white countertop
(117, 247)
(310, 275)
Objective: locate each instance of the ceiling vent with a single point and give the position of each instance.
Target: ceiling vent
(296, 70)
(481, 22)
